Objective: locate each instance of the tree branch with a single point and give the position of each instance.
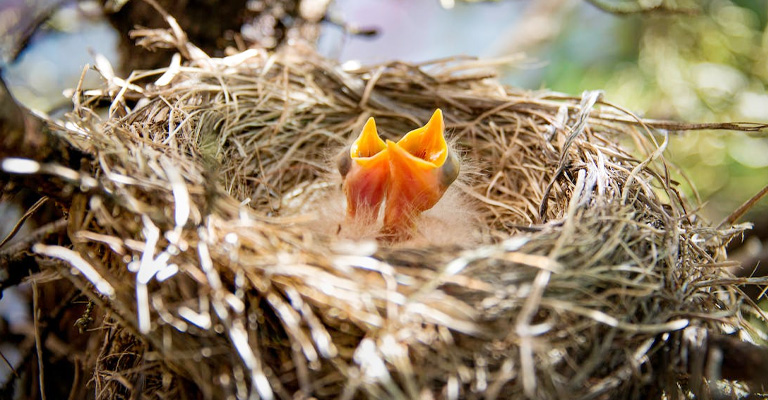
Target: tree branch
(24, 135)
(637, 7)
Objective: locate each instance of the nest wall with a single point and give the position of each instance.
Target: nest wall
(194, 230)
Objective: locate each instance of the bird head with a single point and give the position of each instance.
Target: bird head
(412, 174)
(421, 168)
(365, 174)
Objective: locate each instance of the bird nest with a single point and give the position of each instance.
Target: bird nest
(564, 262)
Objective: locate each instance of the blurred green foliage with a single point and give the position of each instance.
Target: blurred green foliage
(707, 66)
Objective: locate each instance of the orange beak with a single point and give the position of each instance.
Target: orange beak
(421, 168)
(366, 174)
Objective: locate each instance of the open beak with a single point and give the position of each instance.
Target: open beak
(421, 168)
(366, 173)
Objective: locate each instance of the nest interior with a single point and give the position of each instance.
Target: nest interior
(566, 263)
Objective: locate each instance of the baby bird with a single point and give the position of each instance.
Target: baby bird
(366, 175)
(411, 175)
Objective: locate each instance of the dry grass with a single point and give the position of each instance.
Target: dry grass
(573, 272)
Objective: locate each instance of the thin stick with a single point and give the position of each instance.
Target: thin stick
(629, 7)
(23, 218)
(10, 366)
(38, 342)
(35, 236)
(739, 212)
(76, 381)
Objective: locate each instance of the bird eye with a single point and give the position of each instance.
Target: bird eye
(343, 163)
(450, 170)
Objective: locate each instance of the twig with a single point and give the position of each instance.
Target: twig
(23, 218)
(686, 126)
(75, 381)
(38, 342)
(739, 212)
(15, 261)
(741, 361)
(10, 366)
(351, 28)
(714, 356)
(25, 135)
(12, 252)
(635, 7)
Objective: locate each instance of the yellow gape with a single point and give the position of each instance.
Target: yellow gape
(421, 168)
(411, 174)
(366, 174)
